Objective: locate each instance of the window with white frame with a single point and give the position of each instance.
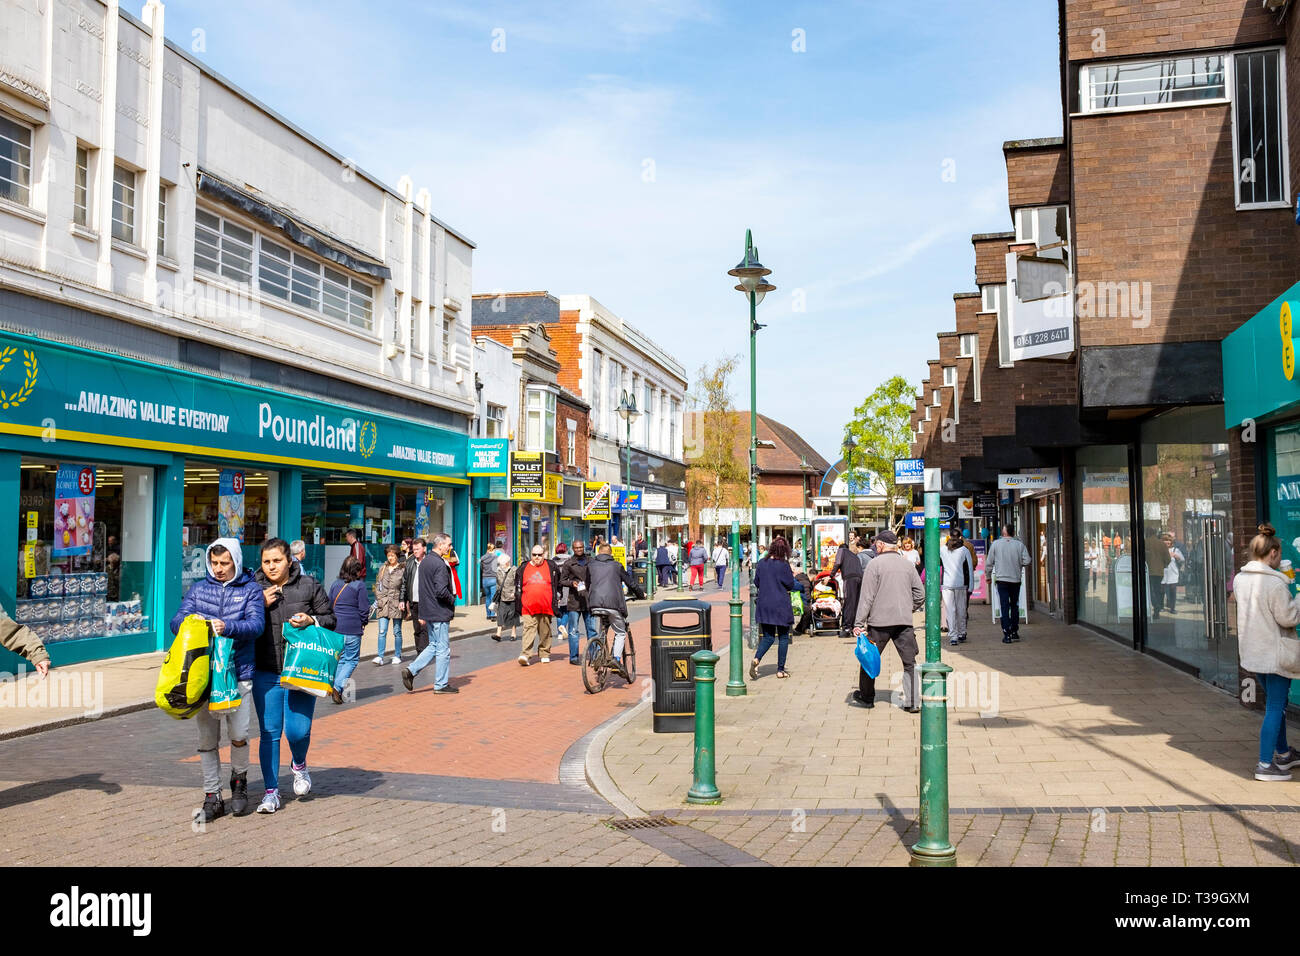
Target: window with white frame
(1044, 226)
(614, 377)
(15, 161)
(936, 397)
(927, 413)
(648, 405)
(162, 219)
(449, 342)
(571, 446)
(227, 249)
(539, 420)
(950, 376)
(597, 389)
(1145, 83)
(496, 421)
(81, 188)
(674, 415)
(966, 345)
(989, 295)
(124, 204)
(410, 327)
(1260, 145)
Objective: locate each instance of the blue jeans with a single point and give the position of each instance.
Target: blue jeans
(349, 660)
(1009, 598)
(778, 634)
(440, 648)
(281, 711)
(722, 572)
(397, 636)
(571, 621)
(489, 595)
(1272, 735)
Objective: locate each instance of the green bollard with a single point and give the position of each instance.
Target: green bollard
(736, 685)
(680, 543)
(705, 787)
(934, 847)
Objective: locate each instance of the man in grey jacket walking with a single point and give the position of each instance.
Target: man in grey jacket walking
(891, 593)
(1006, 558)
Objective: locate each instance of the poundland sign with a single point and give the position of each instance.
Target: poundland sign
(135, 404)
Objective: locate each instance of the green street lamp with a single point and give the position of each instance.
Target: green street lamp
(627, 410)
(807, 470)
(753, 283)
(849, 446)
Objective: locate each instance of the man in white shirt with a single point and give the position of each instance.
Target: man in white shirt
(720, 559)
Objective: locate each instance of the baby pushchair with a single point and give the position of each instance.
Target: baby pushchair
(825, 605)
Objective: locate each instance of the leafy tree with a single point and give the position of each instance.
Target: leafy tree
(716, 445)
(882, 428)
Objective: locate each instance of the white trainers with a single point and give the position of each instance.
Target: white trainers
(523, 661)
(562, 632)
(546, 660)
(380, 660)
(270, 803)
(396, 660)
(301, 780)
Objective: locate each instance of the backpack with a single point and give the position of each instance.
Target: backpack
(185, 677)
(507, 592)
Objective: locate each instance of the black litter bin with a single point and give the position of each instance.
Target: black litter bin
(678, 628)
(639, 574)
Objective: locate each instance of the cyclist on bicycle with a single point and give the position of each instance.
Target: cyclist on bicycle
(605, 595)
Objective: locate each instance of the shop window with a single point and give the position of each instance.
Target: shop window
(422, 511)
(86, 549)
(222, 503)
(333, 504)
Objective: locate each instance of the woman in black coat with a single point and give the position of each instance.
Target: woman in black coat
(295, 599)
(775, 581)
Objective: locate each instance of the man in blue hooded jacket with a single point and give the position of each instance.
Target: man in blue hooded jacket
(233, 605)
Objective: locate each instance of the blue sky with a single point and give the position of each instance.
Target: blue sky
(621, 149)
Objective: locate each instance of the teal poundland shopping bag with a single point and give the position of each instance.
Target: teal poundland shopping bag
(224, 695)
(311, 656)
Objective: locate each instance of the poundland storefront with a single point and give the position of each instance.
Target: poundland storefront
(123, 471)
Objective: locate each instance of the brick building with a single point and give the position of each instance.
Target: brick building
(1156, 225)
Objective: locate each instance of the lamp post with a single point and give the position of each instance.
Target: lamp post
(807, 469)
(627, 410)
(753, 282)
(849, 446)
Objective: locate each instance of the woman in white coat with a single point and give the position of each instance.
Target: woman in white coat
(1267, 615)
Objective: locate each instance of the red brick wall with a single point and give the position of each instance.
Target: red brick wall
(1154, 202)
(1037, 177)
(990, 261)
(563, 414)
(970, 435)
(1137, 27)
(568, 350)
(781, 491)
(505, 334)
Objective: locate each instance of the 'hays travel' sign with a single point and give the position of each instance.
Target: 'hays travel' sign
(80, 395)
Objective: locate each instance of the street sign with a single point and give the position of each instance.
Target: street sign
(909, 471)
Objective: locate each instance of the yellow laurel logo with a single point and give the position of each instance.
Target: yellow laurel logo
(368, 448)
(29, 383)
(1288, 346)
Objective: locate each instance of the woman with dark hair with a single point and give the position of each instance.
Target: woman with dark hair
(775, 581)
(351, 603)
(295, 599)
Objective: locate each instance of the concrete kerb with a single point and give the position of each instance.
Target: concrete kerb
(598, 777)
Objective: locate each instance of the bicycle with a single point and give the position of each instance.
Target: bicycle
(598, 661)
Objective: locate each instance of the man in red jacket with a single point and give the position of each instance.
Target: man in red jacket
(537, 595)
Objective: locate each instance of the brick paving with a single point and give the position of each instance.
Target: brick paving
(1065, 719)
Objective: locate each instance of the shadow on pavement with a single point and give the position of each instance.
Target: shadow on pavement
(41, 790)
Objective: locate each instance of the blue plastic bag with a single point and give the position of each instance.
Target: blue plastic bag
(868, 656)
